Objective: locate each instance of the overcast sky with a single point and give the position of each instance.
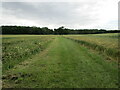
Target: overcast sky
(83, 14)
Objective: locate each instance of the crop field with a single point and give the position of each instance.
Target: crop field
(17, 48)
(60, 61)
(103, 43)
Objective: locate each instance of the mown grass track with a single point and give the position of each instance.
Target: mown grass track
(106, 44)
(64, 64)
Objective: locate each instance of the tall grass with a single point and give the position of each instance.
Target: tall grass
(16, 50)
(112, 53)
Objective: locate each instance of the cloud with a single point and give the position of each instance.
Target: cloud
(83, 14)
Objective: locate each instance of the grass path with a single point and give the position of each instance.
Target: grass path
(64, 64)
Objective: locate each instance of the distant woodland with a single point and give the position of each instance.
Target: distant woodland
(46, 31)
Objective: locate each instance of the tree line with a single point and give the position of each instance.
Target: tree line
(46, 31)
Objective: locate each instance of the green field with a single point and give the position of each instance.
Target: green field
(60, 61)
(107, 44)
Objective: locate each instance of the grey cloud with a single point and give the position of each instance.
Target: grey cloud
(65, 13)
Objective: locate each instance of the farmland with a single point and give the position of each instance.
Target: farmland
(17, 48)
(60, 61)
(103, 43)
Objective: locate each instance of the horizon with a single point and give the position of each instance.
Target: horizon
(61, 26)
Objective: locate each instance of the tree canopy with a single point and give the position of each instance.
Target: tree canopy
(46, 31)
